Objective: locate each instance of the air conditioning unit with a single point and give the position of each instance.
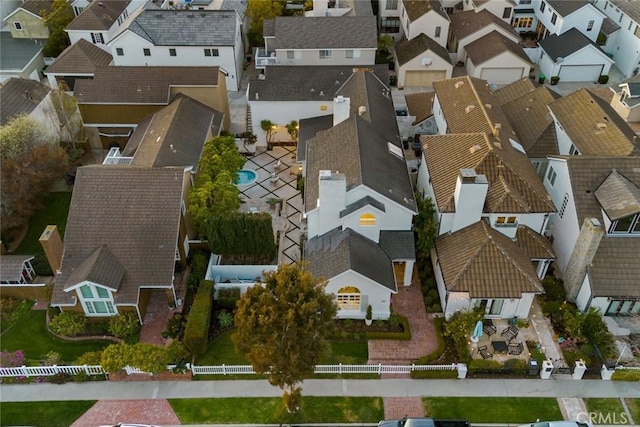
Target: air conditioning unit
(425, 61)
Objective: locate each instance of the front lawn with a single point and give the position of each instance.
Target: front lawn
(272, 411)
(500, 410)
(41, 414)
(29, 334)
(606, 411)
(634, 409)
(221, 351)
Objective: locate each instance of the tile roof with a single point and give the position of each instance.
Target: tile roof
(81, 57)
(420, 105)
(135, 213)
(20, 96)
(174, 136)
(566, 8)
(406, 50)
(186, 27)
(468, 22)
(485, 263)
(491, 45)
(514, 185)
(417, 8)
(339, 32)
(100, 267)
(615, 268)
(566, 44)
(140, 85)
(11, 267)
(357, 147)
(283, 83)
(37, 7)
(618, 196)
(515, 90)
(339, 251)
(533, 123)
(593, 125)
(535, 245)
(16, 54)
(631, 8)
(99, 15)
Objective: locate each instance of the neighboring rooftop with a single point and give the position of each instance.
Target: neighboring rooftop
(468, 22)
(406, 50)
(420, 106)
(340, 32)
(37, 7)
(308, 128)
(16, 54)
(566, 8)
(565, 44)
(81, 57)
(631, 8)
(491, 45)
(515, 90)
(12, 266)
(20, 96)
(418, 8)
(99, 15)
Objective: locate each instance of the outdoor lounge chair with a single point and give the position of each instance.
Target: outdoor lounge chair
(488, 328)
(516, 348)
(510, 333)
(484, 352)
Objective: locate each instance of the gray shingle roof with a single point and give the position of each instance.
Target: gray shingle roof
(406, 50)
(566, 8)
(101, 267)
(344, 32)
(143, 85)
(417, 8)
(186, 27)
(37, 6)
(365, 201)
(308, 129)
(491, 45)
(565, 44)
(398, 244)
(81, 57)
(468, 22)
(20, 96)
(338, 251)
(99, 15)
(11, 267)
(135, 213)
(609, 26)
(16, 54)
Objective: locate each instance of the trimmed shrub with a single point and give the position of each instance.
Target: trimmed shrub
(199, 263)
(227, 298)
(68, 324)
(197, 329)
(484, 366)
(393, 319)
(89, 358)
(124, 325)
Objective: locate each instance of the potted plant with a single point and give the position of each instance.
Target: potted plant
(369, 319)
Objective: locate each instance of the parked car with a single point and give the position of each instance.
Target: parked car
(556, 424)
(423, 422)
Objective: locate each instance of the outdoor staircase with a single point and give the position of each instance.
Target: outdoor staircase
(249, 127)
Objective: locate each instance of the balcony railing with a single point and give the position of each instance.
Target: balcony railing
(264, 58)
(115, 158)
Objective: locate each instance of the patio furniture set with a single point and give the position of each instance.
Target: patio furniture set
(505, 346)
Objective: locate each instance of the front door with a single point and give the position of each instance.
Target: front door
(398, 271)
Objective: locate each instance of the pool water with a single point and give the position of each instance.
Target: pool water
(246, 177)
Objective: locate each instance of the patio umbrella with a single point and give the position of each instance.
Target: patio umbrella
(477, 332)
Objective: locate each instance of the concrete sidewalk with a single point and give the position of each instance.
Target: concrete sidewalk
(372, 388)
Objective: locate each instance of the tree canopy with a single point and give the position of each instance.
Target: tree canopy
(57, 18)
(281, 327)
(258, 11)
(425, 227)
(20, 135)
(249, 236)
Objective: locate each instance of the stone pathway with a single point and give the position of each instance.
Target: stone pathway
(112, 412)
(398, 407)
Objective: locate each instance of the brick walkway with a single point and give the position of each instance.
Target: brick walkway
(112, 412)
(397, 407)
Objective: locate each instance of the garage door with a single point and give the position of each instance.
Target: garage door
(502, 75)
(414, 78)
(580, 73)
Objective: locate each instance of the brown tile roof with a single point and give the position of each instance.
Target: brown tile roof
(37, 7)
(491, 45)
(513, 183)
(593, 125)
(406, 50)
(11, 267)
(618, 196)
(99, 15)
(533, 123)
(534, 244)
(419, 105)
(81, 57)
(135, 213)
(616, 266)
(468, 22)
(515, 90)
(485, 263)
(140, 85)
(417, 8)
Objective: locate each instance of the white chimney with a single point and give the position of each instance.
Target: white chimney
(332, 194)
(361, 110)
(469, 198)
(341, 106)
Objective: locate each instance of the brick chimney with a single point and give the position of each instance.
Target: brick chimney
(53, 247)
(591, 233)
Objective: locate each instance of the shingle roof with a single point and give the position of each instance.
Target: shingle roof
(485, 263)
(283, 83)
(81, 57)
(417, 8)
(174, 136)
(631, 8)
(565, 44)
(593, 125)
(420, 105)
(534, 244)
(566, 8)
(616, 266)
(20, 96)
(491, 45)
(101, 267)
(11, 267)
(514, 185)
(468, 22)
(143, 85)
(16, 54)
(357, 147)
(135, 213)
(37, 6)
(398, 244)
(99, 15)
(609, 26)
(186, 27)
(338, 251)
(406, 50)
(533, 123)
(339, 32)
(308, 129)
(269, 28)
(618, 196)
(360, 203)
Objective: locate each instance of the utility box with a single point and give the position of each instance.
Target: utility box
(462, 371)
(606, 373)
(534, 369)
(547, 369)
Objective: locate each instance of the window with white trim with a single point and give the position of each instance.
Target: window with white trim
(146, 51)
(77, 10)
(348, 298)
(18, 26)
(389, 24)
(542, 6)
(211, 52)
(97, 38)
(506, 221)
(349, 54)
(563, 207)
(573, 151)
(96, 300)
(172, 52)
(590, 25)
(554, 18)
(551, 176)
(438, 31)
(526, 22)
(290, 54)
(325, 54)
(506, 13)
(392, 5)
(627, 225)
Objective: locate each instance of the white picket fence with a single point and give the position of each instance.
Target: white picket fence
(328, 369)
(47, 371)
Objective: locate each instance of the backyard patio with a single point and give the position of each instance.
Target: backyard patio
(501, 340)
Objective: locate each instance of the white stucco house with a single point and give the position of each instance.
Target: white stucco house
(182, 38)
(424, 17)
(558, 16)
(573, 57)
(622, 41)
(626, 101)
(497, 59)
(421, 61)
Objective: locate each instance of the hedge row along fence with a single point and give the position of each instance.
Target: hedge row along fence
(197, 329)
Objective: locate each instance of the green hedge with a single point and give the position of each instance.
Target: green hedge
(405, 335)
(197, 329)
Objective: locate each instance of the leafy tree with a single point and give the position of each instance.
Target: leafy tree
(385, 43)
(258, 11)
(242, 235)
(56, 19)
(124, 325)
(213, 198)
(219, 154)
(425, 227)
(249, 138)
(459, 329)
(268, 127)
(20, 135)
(281, 327)
(292, 128)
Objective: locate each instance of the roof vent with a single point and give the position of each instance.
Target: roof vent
(487, 106)
(339, 98)
(475, 148)
(262, 76)
(469, 108)
(601, 126)
(257, 96)
(321, 93)
(361, 110)
(458, 84)
(395, 150)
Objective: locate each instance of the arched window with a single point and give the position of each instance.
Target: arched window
(367, 220)
(348, 298)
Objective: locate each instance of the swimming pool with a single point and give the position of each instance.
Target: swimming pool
(246, 177)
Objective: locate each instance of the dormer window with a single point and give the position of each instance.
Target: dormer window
(367, 220)
(96, 300)
(627, 225)
(506, 221)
